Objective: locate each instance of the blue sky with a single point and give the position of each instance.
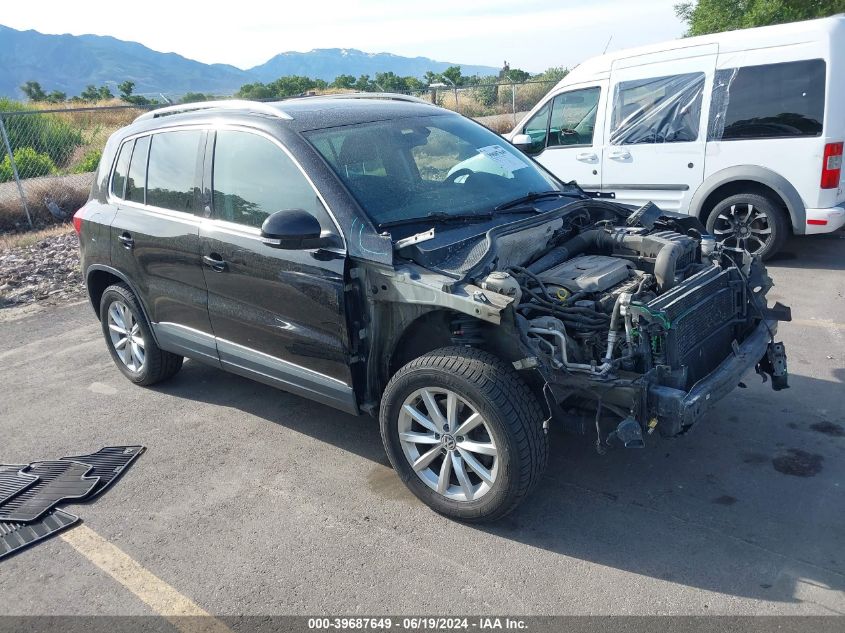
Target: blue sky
(530, 34)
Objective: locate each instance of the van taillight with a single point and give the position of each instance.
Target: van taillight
(77, 221)
(832, 165)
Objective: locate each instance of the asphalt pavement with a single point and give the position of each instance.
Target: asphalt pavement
(253, 501)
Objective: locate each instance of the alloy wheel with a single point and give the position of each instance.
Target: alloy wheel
(448, 444)
(742, 227)
(126, 336)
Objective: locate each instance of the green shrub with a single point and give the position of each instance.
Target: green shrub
(89, 162)
(30, 164)
(45, 133)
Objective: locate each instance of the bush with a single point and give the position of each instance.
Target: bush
(44, 133)
(30, 164)
(89, 162)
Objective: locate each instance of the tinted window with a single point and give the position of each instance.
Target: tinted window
(118, 179)
(138, 170)
(574, 117)
(172, 172)
(253, 178)
(657, 110)
(770, 101)
(537, 128)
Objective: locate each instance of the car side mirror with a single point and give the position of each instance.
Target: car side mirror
(292, 229)
(521, 141)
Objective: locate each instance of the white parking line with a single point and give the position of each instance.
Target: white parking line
(182, 612)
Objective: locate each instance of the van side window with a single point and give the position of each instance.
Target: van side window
(538, 128)
(137, 178)
(574, 117)
(253, 177)
(172, 176)
(657, 110)
(769, 101)
(118, 179)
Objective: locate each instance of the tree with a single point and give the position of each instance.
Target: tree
(103, 93)
(453, 74)
(431, 77)
(345, 82)
(33, 91)
(715, 16)
(194, 97)
(516, 75)
(57, 96)
(126, 89)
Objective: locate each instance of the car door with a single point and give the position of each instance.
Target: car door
(155, 236)
(656, 129)
(278, 315)
(567, 134)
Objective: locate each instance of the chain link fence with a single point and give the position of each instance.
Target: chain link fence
(47, 160)
(48, 156)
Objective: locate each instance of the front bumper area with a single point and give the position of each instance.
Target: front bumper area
(676, 410)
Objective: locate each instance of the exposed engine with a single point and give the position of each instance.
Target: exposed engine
(629, 298)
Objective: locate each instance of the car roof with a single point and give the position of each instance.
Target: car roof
(300, 114)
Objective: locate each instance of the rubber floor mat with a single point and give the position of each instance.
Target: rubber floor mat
(13, 480)
(108, 464)
(57, 481)
(15, 536)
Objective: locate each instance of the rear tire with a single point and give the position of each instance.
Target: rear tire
(749, 221)
(479, 456)
(130, 340)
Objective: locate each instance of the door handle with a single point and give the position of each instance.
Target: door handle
(587, 157)
(620, 154)
(214, 262)
(126, 240)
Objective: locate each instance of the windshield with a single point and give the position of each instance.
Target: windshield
(435, 166)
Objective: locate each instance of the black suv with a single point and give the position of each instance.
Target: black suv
(383, 255)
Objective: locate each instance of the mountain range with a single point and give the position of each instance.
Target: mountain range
(71, 62)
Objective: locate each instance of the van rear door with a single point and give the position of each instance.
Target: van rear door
(656, 126)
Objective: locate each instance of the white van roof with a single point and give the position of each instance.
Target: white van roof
(832, 28)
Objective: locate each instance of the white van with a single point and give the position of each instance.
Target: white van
(743, 129)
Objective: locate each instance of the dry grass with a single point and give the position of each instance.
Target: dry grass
(70, 193)
(18, 240)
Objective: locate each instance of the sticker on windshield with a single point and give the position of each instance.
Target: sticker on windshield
(502, 158)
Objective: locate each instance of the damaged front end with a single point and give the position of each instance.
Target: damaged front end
(624, 324)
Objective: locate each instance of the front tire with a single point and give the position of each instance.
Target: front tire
(130, 340)
(464, 433)
(749, 222)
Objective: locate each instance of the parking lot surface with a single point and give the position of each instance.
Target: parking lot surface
(253, 501)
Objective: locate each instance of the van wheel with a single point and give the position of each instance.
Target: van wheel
(464, 433)
(749, 222)
(130, 341)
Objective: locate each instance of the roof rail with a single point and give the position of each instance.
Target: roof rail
(390, 96)
(226, 104)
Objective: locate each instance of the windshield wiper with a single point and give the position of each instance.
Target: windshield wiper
(438, 216)
(529, 197)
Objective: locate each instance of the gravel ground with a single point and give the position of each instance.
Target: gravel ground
(47, 270)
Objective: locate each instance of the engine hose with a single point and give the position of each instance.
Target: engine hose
(575, 246)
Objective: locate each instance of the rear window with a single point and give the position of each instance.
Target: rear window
(769, 101)
(118, 180)
(136, 180)
(172, 181)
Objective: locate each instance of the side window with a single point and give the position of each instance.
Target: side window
(768, 101)
(537, 128)
(121, 167)
(136, 180)
(657, 110)
(172, 180)
(253, 177)
(574, 117)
